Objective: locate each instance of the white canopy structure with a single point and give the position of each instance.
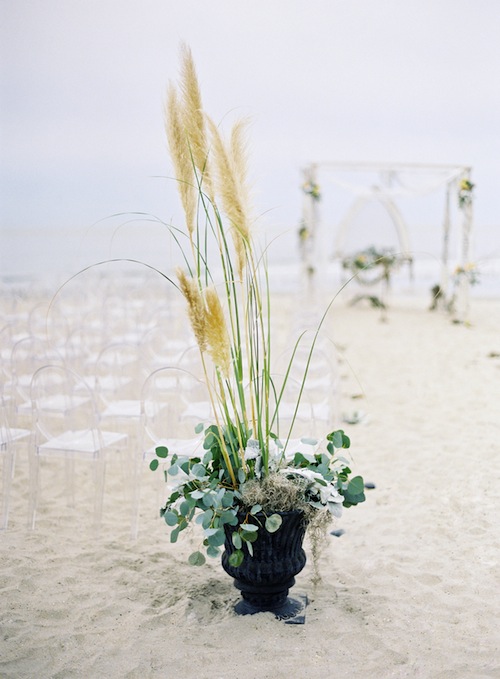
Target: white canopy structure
(389, 185)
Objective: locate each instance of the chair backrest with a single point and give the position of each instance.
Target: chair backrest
(119, 372)
(62, 403)
(83, 346)
(161, 348)
(322, 385)
(289, 400)
(160, 404)
(29, 354)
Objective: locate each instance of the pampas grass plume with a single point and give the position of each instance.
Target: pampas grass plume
(194, 117)
(232, 190)
(179, 152)
(216, 332)
(196, 309)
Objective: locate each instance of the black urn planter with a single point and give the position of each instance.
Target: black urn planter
(265, 578)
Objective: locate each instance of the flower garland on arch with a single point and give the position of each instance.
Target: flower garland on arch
(465, 192)
(380, 262)
(312, 189)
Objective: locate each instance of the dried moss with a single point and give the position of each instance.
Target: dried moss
(279, 494)
(276, 493)
(317, 532)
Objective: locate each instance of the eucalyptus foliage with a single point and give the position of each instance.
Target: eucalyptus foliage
(202, 490)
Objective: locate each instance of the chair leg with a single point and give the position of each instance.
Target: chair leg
(99, 479)
(34, 487)
(8, 473)
(69, 470)
(136, 498)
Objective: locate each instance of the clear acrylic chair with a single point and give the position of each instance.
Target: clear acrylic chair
(161, 348)
(9, 436)
(66, 426)
(161, 426)
(119, 375)
(28, 354)
(291, 409)
(322, 385)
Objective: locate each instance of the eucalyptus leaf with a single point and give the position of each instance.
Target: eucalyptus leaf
(196, 559)
(236, 558)
(208, 500)
(249, 537)
(161, 451)
(170, 518)
(186, 508)
(356, 485)
(227, 499)
(210, 531)
(154, 464)
(212, 551)
(337, 439)
(236, 540)
(217, 539)
(273, 523)
(199, 428)
(207, 517)
(256, 509)
(198, 470)
(209, 441)
(228, 517)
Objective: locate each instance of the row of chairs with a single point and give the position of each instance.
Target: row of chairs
(68, 424)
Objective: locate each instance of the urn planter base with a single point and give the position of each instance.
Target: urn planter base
(290, 609)
(265, 578)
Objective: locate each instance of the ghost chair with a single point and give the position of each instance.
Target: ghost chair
(10, 333)
(9, 436)
(66, 427)
(119, 374)
(296, 419)
(81, 349)
(162, 348)
(290, 410)
(28, 354)
(159, 426)
(320, 374)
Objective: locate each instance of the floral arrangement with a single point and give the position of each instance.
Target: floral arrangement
(312, 189)
(304, 232)
(465, 192)
(247, 469)
(470, 271)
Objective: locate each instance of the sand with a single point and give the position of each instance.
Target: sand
(411, 589)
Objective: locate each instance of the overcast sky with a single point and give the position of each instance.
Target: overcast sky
(83, 85)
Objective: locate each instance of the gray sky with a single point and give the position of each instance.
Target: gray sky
(83, 83)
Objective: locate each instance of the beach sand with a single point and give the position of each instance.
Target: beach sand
(410, 589)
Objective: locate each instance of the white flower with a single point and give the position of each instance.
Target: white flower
(252, 451)
(335, 509)
(330, 494)
(306, 473)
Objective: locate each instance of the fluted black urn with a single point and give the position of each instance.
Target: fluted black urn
(265, 578)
